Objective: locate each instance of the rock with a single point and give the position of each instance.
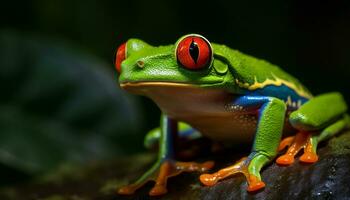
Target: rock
(329, 178)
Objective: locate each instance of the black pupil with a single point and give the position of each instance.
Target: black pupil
(194, 51)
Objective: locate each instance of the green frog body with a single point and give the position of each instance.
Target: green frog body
(227, 96)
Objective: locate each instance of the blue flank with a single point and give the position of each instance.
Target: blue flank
(282, 92)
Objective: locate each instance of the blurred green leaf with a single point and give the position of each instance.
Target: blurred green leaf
(59, 104)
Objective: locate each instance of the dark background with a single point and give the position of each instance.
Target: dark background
(309, 39)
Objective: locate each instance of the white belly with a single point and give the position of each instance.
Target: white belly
(207, 110)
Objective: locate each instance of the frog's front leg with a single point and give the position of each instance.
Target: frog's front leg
(271, 114)
(166, 166)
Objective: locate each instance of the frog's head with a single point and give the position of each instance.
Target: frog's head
(191, 61)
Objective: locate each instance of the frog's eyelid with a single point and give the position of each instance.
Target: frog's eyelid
(222, 58)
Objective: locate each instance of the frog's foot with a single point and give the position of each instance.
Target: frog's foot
(160, 173)
(248, 166)
(301, 141)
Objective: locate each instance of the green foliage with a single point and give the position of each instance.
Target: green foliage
(59, 104)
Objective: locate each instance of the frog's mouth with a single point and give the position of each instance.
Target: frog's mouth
(144, 87)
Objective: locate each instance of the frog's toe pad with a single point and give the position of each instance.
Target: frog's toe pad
(208, 179)
(127, 190)
(158, 190)
(285, 160)
(302, 140)
(309, 157)
(254, 183)
(212, 179)
(255, 186)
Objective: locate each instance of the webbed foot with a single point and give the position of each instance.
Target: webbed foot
(160, 173)
(302, 140)
(249, 166)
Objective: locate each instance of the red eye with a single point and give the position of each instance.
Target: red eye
(194, 52)
(120, 56)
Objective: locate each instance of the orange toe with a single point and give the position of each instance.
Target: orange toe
(255, 184)
(302, 140)
(285, 142)
(126, 190)
(158, 190)
(309, 157)
(208, 179)
(285, 160)
(160, 175)
(207, 166)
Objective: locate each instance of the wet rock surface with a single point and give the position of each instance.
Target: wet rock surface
(329, 178)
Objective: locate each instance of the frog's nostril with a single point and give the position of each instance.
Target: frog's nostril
(140, 63)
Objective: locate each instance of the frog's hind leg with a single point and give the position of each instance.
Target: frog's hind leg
(300, 141)
(310, 123)
(309, 142)
(333, 129)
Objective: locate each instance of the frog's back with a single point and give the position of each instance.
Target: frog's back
(259, 76)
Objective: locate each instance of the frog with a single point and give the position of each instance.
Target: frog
(226, 96)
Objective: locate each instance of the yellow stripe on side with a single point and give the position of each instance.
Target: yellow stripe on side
(277, 82)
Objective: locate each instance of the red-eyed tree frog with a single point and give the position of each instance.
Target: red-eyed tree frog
(227, 96)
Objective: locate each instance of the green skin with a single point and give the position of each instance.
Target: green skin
(243, 76)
